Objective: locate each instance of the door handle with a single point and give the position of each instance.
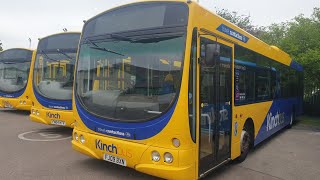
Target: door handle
(228, 103)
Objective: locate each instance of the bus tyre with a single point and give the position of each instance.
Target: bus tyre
(245, 145)
(292, 119)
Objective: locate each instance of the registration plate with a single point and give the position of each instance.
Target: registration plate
(58, 122)
(6, 104)
(115, 160)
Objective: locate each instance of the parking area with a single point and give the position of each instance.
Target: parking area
(33, 151)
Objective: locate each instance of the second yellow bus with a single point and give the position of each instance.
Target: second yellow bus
(52, 81)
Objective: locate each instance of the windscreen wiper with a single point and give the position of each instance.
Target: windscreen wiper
(150, 39)
(120, 37)
(65, 54)
(46, 55)
(154, 39)
(96, 47)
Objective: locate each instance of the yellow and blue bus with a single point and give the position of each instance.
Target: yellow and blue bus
(172, 90)
(53, 76)
(15, 86)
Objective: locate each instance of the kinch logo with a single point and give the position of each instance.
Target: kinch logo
(105, 147)
(274, 121)
(53, 116)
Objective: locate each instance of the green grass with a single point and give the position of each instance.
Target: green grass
(309, 121)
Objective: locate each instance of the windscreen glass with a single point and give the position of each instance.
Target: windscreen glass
(126, 77)
(54, 66)
(14, 69)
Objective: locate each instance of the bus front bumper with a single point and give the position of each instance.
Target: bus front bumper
(52, 117)
(136, 155)
(15, 103)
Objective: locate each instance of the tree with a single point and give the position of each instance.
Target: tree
(316, 14)
(311, 64)
(273, 34)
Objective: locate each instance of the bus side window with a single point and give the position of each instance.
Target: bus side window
(274, 90)
(262, 84)
(245, 65)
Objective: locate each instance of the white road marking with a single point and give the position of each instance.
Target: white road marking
(48, 135)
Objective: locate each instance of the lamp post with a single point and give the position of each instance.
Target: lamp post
(29, 42)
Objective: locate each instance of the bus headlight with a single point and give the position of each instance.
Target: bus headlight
(37, 113)
(82, 140)
(76, 137)
(24, 102)
(20, 102)
(33, 112)
(176, 142)
(168, 158)
(155, 156)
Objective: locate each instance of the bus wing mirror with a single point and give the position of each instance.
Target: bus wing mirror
(212, 54)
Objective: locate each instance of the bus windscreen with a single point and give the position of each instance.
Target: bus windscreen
(54, 66)
(14, 69)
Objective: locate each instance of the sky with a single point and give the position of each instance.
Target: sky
(24, 19)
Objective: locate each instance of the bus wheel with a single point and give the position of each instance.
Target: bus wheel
(292, 119)
(245, 145)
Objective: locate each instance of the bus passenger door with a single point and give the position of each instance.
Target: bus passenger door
(215, 93)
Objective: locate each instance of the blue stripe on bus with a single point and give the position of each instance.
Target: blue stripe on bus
(13, 95)
(237, 61)
(51, 103)
(251, 64)
(278, 117)
(126, 130)
(295, 65)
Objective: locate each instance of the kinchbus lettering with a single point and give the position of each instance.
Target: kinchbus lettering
(111, 148)
(274, 121)
(105, 147)
(53, 116)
